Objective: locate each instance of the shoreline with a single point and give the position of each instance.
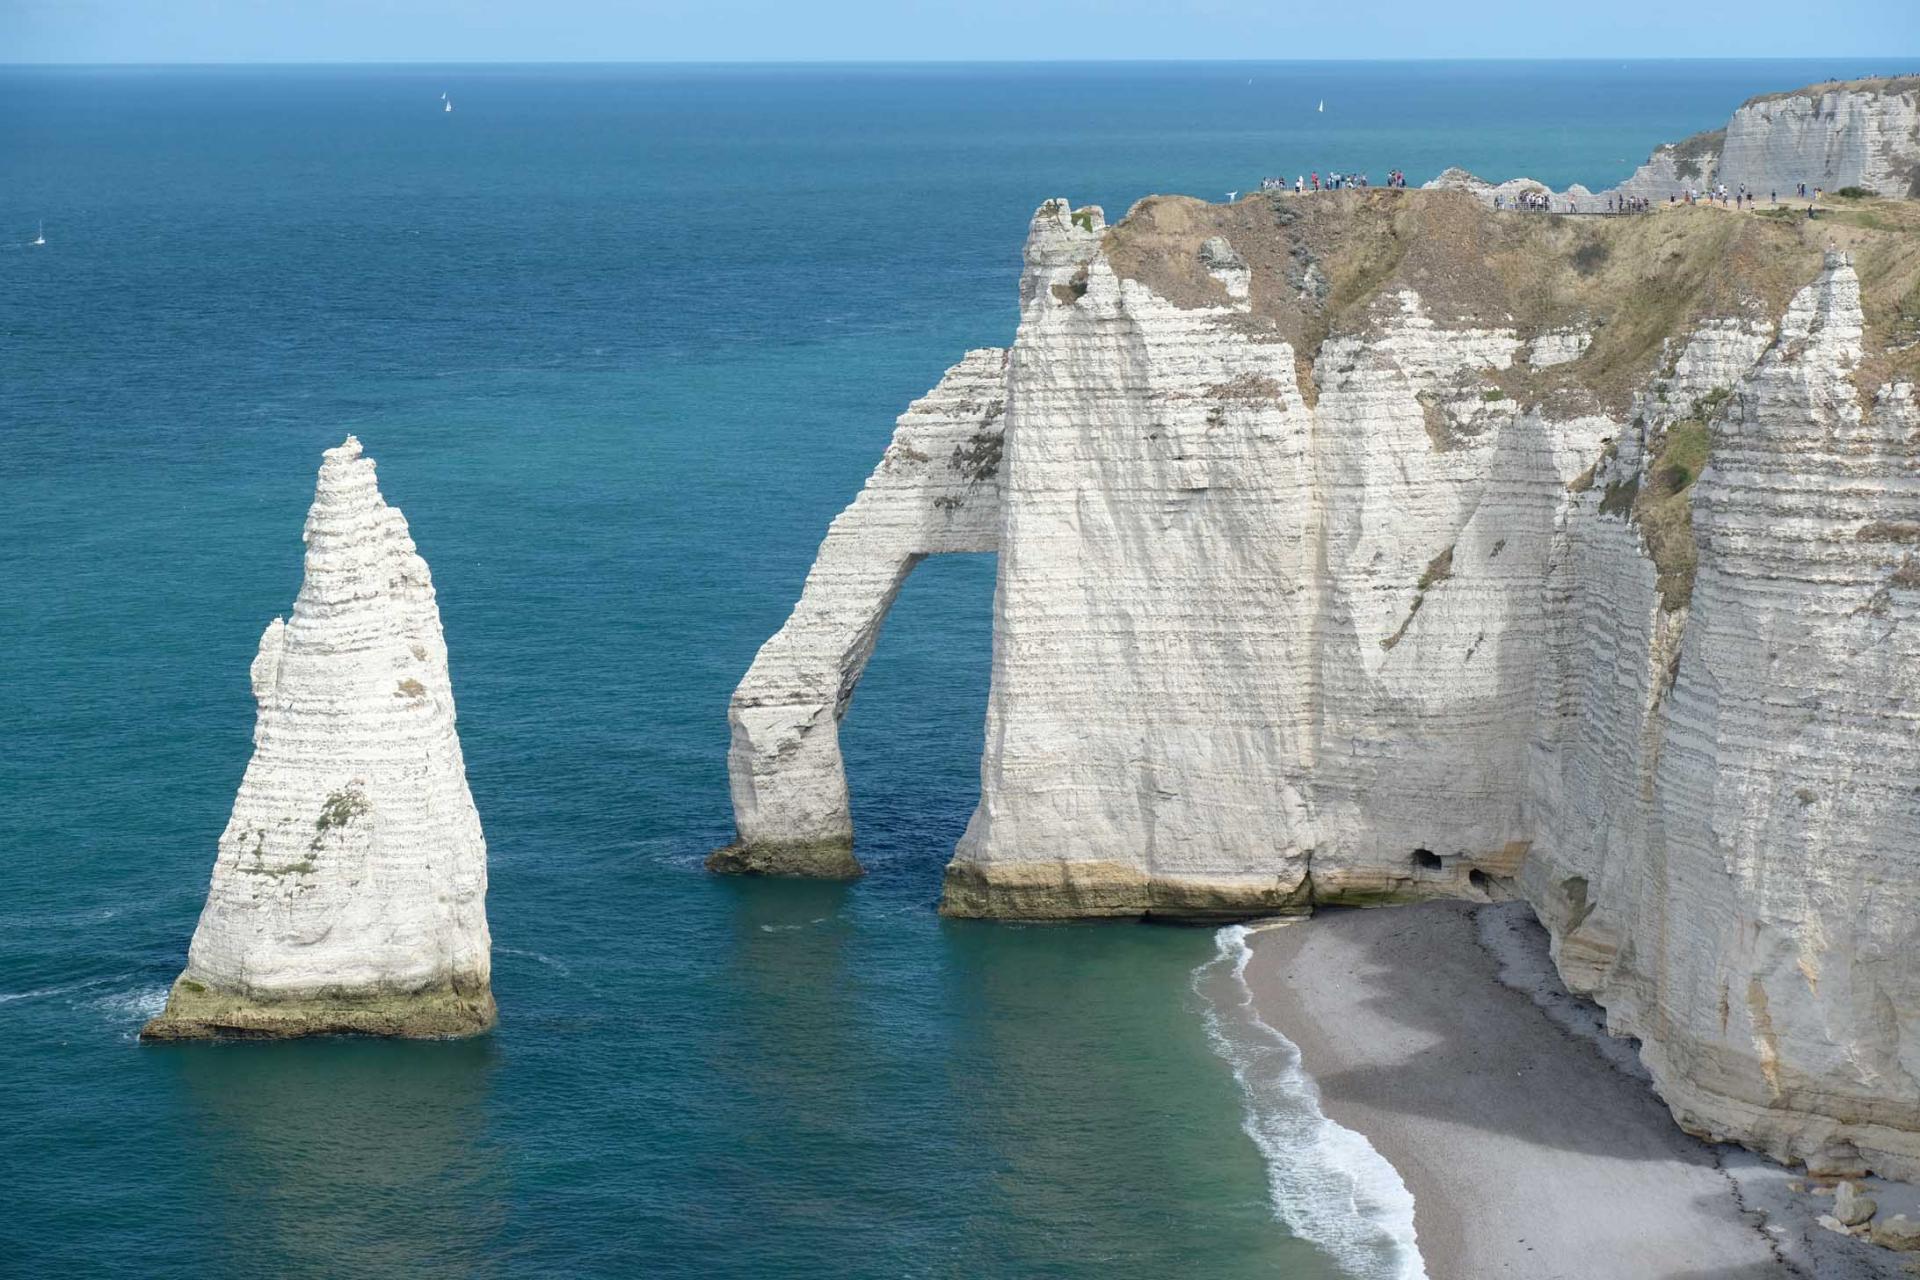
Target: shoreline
(1532, 1143)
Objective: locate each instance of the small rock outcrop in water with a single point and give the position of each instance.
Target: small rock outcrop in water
(1856, 133)
(1371, 546)
(349, 891)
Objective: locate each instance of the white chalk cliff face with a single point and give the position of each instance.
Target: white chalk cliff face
(349, 891)
(1850, 135)
(1862, 133)
(1728, 854)
(1356, 549)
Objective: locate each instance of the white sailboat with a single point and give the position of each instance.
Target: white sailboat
(449, 104)
(1322, 106)
(40, 237)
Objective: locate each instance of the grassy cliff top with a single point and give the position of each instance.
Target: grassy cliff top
(1335, 262)
(1872, 84)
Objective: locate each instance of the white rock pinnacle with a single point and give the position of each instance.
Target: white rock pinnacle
(349, 891)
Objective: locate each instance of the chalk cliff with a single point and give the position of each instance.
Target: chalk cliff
(1856, 133)
(1366, 547)
(349, 889)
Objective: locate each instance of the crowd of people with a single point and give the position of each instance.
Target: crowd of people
(1544, 201)
(1306, 182)
(1739, 198)
(1531, 202)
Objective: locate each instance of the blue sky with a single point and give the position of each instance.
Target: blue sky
(1021, 30)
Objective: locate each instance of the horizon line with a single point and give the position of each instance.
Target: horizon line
(934, 62)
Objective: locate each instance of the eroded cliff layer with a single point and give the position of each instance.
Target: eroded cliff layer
(349, 891)
(1852, 133)
(1842, 135)
(1367, 547)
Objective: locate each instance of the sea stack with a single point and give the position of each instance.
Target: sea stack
(349, 891)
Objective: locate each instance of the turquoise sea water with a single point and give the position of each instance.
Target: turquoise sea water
(622, 340)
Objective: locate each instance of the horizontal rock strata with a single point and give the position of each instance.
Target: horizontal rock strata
(349, 890)
(1850, 134)
(1846, 134)
(1371, 547)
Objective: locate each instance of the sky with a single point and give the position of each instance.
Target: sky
(912, 30)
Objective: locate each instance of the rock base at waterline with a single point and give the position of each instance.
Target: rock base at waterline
(818, 860)
(1073, 890)
(197, 1012)
(1080, 889)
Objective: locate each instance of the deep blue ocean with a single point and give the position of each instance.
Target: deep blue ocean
(622, 340)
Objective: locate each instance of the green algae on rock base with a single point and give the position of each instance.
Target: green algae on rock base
(818, 860)
(197, 1012)
(1070, 890)
(1078, 890)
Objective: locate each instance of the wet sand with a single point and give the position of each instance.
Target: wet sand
(1533, 1143)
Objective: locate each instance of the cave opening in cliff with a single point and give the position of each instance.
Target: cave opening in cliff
(1480, 880)
(1426, 859)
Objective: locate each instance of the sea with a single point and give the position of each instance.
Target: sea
(622, 340)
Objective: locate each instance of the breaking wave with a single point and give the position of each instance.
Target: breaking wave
(1326, 1182)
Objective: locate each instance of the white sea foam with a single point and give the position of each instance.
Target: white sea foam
(546, 961)
(558, 966)
(1327, 1183)
(139, 1004)
(8, 997)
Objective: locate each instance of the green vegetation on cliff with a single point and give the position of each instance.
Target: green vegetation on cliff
(1335, 262)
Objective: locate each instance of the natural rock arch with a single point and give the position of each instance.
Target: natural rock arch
(936, 490)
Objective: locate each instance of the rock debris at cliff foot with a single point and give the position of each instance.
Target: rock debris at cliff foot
(349, 888)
